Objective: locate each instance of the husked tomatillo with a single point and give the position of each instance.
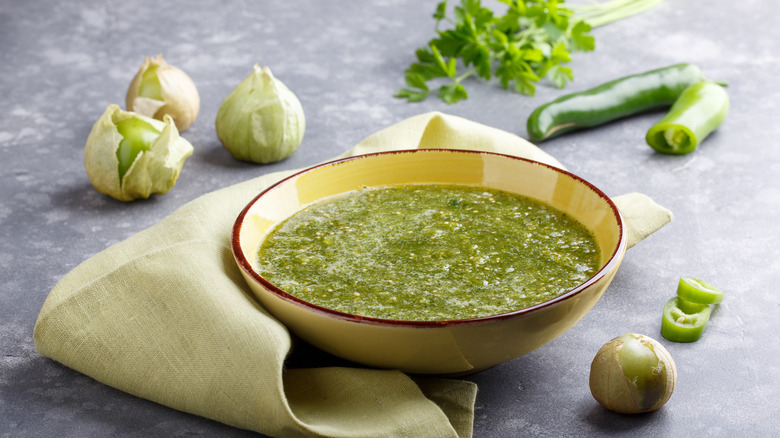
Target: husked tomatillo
(632, 374)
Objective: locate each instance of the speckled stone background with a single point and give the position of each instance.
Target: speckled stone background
(64, 62)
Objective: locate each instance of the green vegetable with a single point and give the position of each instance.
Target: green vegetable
(159, 89)
(697, 291)
(261, 120)
(531, 41)
(137, 136)
(600, 13)
(150, 84)
(685, 316)
(632, 374)
(700, 110)
(129, 156)
(684, 321)
(612, 100)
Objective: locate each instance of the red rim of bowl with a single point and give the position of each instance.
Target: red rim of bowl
(245, 266)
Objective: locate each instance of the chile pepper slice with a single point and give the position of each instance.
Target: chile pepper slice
(684, 321)
(697, 291)
(700, 110)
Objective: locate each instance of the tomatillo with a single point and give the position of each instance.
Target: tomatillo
(150, 84)
(261, 120)
(137, 136)
(130, 156)
(632, 374)
(160, 89)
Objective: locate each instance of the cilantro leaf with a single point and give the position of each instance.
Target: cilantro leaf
(531, 41)
(580, 39)
(416, 80)
(412, 95)
(441, 11)
(453, 92)
(560, 75)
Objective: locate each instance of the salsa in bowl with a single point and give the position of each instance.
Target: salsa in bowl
(429, 261)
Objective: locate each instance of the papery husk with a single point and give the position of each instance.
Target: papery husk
(261, 120)
(181, 100)
(152, 172)
(613, 390)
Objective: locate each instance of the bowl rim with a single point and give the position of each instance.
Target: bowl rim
(246, 267)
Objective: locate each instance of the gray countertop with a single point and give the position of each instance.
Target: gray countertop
(64, 62)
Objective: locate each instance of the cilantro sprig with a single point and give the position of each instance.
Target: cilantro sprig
(533, 40)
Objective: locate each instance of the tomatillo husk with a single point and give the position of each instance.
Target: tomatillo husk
(632, 374)
(152, 169)
(160, 89)
(261, 120)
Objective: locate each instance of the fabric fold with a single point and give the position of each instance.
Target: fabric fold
(165, 315)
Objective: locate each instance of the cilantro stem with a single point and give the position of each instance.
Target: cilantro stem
(601, 13)
(526, 35)
(465, 75)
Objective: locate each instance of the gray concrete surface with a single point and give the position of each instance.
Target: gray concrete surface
(64, 62)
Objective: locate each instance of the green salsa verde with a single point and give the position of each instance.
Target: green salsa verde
(428, 252)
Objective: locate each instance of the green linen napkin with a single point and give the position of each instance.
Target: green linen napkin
(165, 315)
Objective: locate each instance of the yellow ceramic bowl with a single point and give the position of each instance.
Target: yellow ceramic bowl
(431, 347)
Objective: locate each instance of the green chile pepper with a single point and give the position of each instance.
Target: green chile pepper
(684, 321)
(697, 291)
(699, 110)
(610, 101)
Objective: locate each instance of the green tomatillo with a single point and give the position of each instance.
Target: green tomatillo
(632, 374)
(129, 156)
(137, 135)
(261, 120)
(160, 89)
